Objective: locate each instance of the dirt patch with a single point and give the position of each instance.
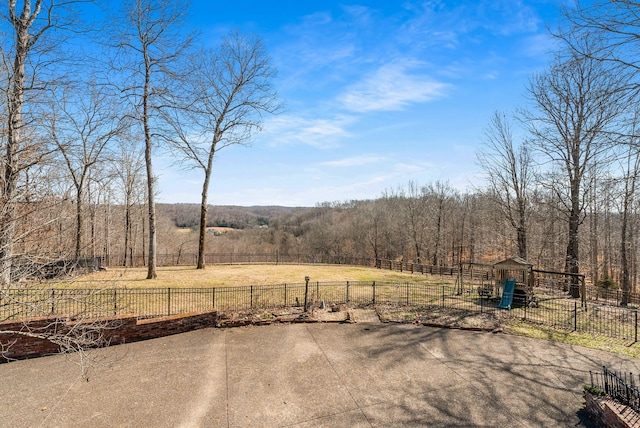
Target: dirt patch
(452, 318)
(446, 317)
(284, 315)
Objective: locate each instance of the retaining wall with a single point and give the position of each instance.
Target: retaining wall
(609, 413)
(115, 331)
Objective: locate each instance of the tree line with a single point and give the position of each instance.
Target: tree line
(78, 149)
(92, 90)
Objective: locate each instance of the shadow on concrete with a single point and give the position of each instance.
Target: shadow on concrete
(301, 375)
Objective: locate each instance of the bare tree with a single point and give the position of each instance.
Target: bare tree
(616, 26)
(630, 168)
(152, 44)
(373, 222)
(128, 167)
(510, 176)
(229, 92)
(440, 193)
(415, 211)
(577, 104)
(27, 30)
(81, 125)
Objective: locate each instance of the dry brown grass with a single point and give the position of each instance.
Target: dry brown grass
(239, 275)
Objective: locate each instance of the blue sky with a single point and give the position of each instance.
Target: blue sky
(376, 94)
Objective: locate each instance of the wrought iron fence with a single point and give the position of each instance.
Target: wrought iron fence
(621, 387)
(558, 312)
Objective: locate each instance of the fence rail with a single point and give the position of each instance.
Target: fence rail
(554, 281)
(618, 386)
(562, 313)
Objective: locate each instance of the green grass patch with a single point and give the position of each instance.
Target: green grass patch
(586, 340)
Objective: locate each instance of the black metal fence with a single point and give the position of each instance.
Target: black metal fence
(621, 387)
(190, 259)
(562, 313)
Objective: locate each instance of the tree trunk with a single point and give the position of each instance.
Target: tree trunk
(623, 256)
(593, 238)
(573, 252)
(151, 265)
(436, 247)
(522, 241)
(203, 224)
(10, 178)
(107, 223)
(79, 224)
(127, 230)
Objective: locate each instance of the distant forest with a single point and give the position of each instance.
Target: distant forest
(235, 217)
(431, 224)
(560, 173)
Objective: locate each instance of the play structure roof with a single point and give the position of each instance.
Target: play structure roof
(514, 263)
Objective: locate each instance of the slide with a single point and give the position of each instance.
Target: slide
(507, 294)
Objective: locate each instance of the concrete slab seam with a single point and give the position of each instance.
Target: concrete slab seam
(324, 354)
(226, 375)
(445, 363)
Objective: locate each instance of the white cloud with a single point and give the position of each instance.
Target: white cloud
(391, 87)
(319, 133)
(354, 161)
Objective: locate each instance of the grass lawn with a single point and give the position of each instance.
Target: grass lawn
(603, 343)
(240, 275)
(244, 275)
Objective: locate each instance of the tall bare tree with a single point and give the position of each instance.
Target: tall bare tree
(616, 25)
(630, 169)
(414, 208)
(82, 123)
(509, 169)
(576, 106)
(26, 33)
(230, 91)
(33, 33)
(128, 168)
(152, 43)
(439, 195)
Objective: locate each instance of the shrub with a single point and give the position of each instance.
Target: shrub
(606, 283)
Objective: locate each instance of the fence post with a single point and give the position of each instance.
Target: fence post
(213, 298)
(53, 300)
(443, 297)
(636, 316)
(168, 301)
(347, 293)
(306, 291)
(407, 287)
(285, 295)
(115, 301)
(374, 292)
(251, 292)
(575, 316)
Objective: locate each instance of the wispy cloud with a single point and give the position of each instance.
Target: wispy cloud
(539, 45)
(354, 161)
(319, 133)
(391, 87)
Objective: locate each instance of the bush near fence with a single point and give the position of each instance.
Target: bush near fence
(564, 313)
